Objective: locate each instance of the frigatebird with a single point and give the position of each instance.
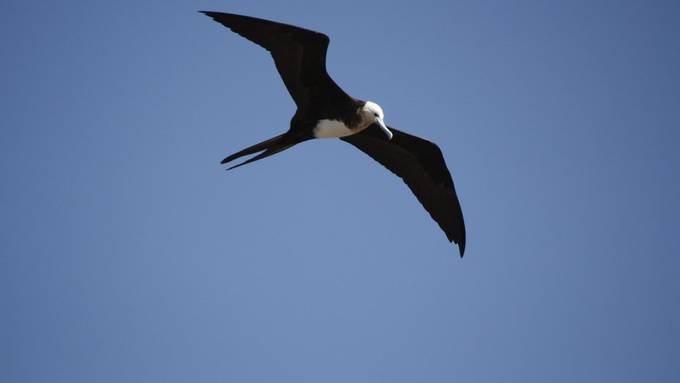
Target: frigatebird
(324, 110)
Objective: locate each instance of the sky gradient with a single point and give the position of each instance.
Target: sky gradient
(128, 254)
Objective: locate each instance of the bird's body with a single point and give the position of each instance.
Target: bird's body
(324, 110)
(350, 123)
(332, 129)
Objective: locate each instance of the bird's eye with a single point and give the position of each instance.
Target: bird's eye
(375, 114)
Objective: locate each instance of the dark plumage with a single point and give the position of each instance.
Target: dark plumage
(421, 166)
(325, 110)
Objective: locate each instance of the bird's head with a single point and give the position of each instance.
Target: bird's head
(373, 113)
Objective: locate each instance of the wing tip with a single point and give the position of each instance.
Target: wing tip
(458, 240)
(214, 15)
(461, 248)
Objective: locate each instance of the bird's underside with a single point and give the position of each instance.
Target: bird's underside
(300, 58)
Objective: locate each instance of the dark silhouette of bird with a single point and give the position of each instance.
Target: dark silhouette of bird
(324, 110)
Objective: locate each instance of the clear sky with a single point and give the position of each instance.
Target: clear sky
(128, 254)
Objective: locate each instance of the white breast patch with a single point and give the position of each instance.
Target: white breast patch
(331, 128)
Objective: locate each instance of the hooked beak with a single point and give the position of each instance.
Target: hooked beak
(382, 125)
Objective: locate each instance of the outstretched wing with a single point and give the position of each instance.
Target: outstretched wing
(299, 55)
(421, 165)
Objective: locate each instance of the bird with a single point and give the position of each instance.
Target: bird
(324, 110)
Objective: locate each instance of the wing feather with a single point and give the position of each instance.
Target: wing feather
(299, 54)
(420, 164)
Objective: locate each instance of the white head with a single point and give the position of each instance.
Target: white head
(374, 114)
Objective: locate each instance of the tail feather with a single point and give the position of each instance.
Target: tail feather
(266, 153)
(252, 149)
(268, 147)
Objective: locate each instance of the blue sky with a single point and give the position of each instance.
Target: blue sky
(129, 254)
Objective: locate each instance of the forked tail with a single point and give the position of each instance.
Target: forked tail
(268, 147)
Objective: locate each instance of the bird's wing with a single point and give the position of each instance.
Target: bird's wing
(299, 54)
(421, 165)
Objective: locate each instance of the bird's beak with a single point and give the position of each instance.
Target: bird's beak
(382, 125)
